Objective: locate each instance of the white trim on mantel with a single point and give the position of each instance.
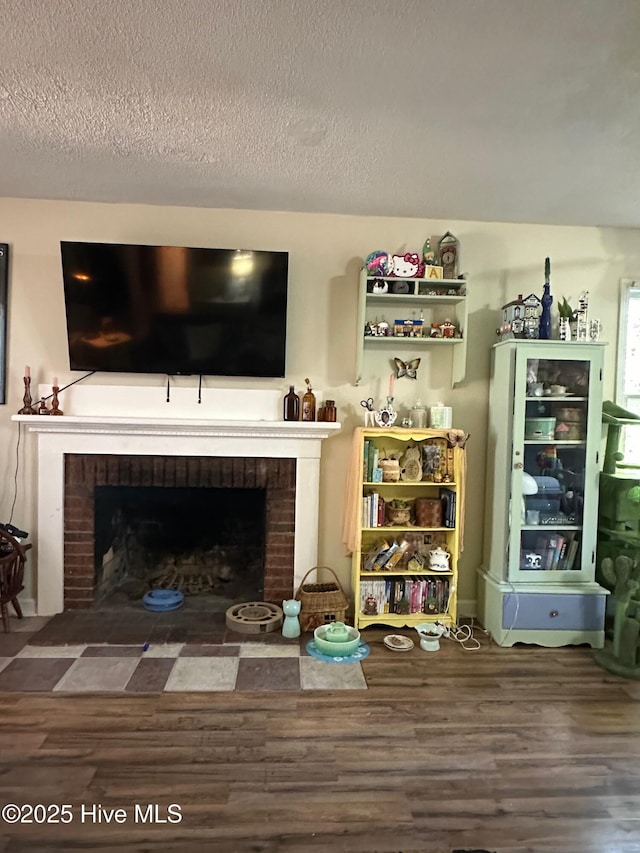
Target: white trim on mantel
(151, 436)
(78, 424)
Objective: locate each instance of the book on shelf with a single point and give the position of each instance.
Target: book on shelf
(372, 510)
(365, 458)
(376, 554)
(448, 498)
(370, 458)
(558, 551)
(397, 555)
(572, 553)
(555, 559)
(406, 595)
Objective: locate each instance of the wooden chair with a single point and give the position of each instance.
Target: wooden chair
(13, 556)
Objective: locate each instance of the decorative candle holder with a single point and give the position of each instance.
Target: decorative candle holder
(27, 408)
(55, 408)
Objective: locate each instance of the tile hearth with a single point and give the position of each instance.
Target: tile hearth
(77, 652)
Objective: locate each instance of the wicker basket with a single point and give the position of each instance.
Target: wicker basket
(321, 602)
(428, 512)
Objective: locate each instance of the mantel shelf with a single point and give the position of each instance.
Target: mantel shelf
(176, 426)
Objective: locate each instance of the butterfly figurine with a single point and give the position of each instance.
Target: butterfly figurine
(456, 437)
(407, 368)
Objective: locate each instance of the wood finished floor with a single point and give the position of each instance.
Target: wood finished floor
(508, 750)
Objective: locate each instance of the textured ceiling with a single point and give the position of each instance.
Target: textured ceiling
(493, 110)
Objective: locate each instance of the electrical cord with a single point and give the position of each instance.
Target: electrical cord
(69, 384)
(15, 473)
(461, 634)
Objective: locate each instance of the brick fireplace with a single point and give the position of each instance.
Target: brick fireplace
(83, 473)
(229, 436)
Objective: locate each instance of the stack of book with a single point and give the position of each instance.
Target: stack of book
(406, 595)
(558, 551)
(371, 472)
(373, 510)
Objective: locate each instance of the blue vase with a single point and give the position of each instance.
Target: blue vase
(545, 317)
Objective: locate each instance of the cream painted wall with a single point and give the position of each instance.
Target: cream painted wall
(325, 255)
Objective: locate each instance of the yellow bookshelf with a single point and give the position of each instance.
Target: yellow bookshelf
(391, 526)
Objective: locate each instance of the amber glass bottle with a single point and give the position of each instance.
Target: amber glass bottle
(291, 405)
(330, 411)
(309, 404)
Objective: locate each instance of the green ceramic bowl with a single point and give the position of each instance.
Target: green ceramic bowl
(336, 650)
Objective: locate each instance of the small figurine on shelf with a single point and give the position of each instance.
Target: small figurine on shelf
(370, 606)
(428, 255)
(291, 625)
(582, 318)
(448, 250)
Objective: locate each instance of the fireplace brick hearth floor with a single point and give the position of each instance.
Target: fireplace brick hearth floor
(93, 651)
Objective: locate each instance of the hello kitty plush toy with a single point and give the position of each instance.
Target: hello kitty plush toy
(407, 266)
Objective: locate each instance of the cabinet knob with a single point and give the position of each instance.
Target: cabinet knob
(553, 613)
(518, 465)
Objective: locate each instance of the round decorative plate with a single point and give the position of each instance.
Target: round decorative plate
(378, 263)
(398, 643)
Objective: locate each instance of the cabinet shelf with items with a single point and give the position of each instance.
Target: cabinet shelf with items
(537, 582)
(425, 306)
(407, 538)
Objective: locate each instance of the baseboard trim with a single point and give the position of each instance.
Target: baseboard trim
(468, 608)
(28, 606)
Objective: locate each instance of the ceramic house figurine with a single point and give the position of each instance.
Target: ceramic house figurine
(521, 318)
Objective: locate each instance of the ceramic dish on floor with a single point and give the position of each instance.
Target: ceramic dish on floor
(398, 643)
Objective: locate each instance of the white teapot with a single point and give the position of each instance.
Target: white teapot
(439, 560)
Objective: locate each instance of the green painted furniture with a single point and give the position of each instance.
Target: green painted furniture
(619, 545)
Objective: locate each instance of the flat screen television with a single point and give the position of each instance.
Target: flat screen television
(175, 310)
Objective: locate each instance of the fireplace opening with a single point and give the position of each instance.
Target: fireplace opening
(207, 542)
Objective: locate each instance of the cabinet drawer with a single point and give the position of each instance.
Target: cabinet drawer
(548, 611)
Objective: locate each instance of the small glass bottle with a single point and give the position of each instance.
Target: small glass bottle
(330, 411)
(291, 405)
(309, 404)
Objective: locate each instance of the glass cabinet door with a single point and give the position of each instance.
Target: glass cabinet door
(554, 483)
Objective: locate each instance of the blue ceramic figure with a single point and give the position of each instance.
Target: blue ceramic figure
(291, 624)
(547, 301)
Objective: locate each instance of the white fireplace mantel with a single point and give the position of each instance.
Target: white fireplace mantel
(121, 435)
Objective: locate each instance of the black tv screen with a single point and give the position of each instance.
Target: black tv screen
(175, 310)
